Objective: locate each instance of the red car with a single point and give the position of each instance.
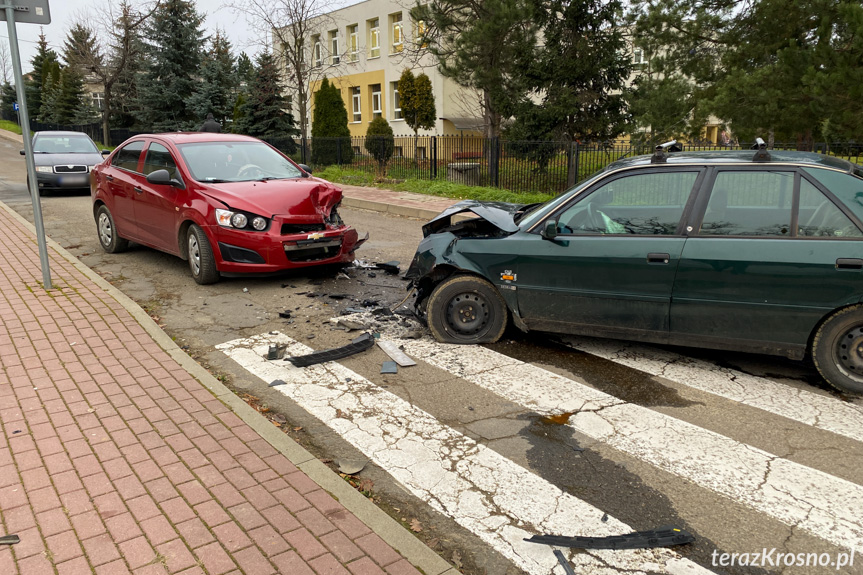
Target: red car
(228, 204)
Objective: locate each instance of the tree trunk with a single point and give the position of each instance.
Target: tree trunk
(106, 115)
(491, 118)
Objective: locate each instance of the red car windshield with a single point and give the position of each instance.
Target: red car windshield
(236, 162)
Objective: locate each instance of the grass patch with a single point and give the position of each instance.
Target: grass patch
(439, 187)
(10, 126)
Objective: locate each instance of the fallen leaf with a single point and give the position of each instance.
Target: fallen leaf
(298, 429)
(456, 559)
(338, 413)
(416, 526)
(276, 423)
(366, 485)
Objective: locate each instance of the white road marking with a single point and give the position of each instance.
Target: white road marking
(819, 411)
(799, 496)
(483, 491)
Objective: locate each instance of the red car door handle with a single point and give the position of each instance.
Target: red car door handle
(139, 190)
(657, 258)
(849, 264)
(109, 178)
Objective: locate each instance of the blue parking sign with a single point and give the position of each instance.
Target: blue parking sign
(15, 106)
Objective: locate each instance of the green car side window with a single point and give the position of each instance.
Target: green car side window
(750, 203)
(819, 217)
(848, 188)
(638, 204)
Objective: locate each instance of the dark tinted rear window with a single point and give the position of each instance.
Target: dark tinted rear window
(848, 188)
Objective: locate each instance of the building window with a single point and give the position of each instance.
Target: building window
(421, 153)
(334, 47)
(376, 101)
(355, 99)
(354, 38)
(98, 100)
(638, 57)
(419, 30)
(318, 50)
(374, 38)
(396, 20)
(398, 152)
(397, 106)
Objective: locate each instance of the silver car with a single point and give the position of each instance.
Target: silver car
(64, 160)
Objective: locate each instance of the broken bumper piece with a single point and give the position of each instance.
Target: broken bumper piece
(359, 344)
(665, 536)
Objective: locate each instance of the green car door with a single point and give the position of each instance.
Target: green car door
(610, 264)
(774, 253)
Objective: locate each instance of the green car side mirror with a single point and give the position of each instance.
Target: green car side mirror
(549, 230)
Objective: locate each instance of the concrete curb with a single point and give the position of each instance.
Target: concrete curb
(12, 136)
(424, 214)
(392, 532)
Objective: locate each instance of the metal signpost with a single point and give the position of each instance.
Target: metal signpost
(28, 12)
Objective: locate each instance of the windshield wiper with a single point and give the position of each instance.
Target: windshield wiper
(215, 180)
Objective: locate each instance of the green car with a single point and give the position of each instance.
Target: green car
(736, 250)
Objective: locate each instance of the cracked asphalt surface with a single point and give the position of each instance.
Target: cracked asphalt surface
(484, 445)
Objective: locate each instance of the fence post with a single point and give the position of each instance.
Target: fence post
(572, 164)
(434, 157)
(494, 162)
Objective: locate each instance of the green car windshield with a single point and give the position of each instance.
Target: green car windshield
(236, 162)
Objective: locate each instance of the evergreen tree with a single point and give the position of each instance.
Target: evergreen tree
(263, 112)
(380, 143)
(416, 100)
(772, 68)
(69, 103)
(216, 92)
(174, 42)
(238, 110)
(331, 137)
(576, 75)
(35, 84)
(245, 69)
(8, 97)
(480, 44)
(50, 90)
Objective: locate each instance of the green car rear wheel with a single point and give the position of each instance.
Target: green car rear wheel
(837, 349)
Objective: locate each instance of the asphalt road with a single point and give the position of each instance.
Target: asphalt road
(485, 445)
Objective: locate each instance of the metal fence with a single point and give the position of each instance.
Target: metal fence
(520, 166)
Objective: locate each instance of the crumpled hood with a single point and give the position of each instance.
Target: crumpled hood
(302, 199)
(499, 214)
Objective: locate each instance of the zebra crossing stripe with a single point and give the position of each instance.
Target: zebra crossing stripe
(826, 506)
(816, 410)
(483, 491)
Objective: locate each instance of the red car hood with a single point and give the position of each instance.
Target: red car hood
(302, 199)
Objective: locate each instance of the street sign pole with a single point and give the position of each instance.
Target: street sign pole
(28, 145)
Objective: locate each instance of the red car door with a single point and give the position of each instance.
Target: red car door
(156, 205)
(119, 178)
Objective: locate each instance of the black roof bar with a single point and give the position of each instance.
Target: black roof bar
(659, 156)
(761, 153)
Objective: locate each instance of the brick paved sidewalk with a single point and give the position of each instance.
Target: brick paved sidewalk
(114, 459)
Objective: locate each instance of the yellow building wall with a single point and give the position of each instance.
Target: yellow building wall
(364, 81)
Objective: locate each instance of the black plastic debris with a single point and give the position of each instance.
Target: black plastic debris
(370, 302)
(664, 536)
(389, 367)
(361, 343)
(310, 294)
(350, 310)
(276, 382)
(9, 540)
(382, 311)
(338, 295)
(567, 568)
(285, 314)
(372, 275)
(391, 268)
(277, 351)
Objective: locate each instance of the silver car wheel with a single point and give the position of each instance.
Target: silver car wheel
(194, 254)
(106, 231)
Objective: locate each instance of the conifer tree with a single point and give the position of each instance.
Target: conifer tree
(216, 92)
(331, 137)
(416, 100)
(380, 143)
(263, 114)
(35, 84)
(174, 42)
(8, 96)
